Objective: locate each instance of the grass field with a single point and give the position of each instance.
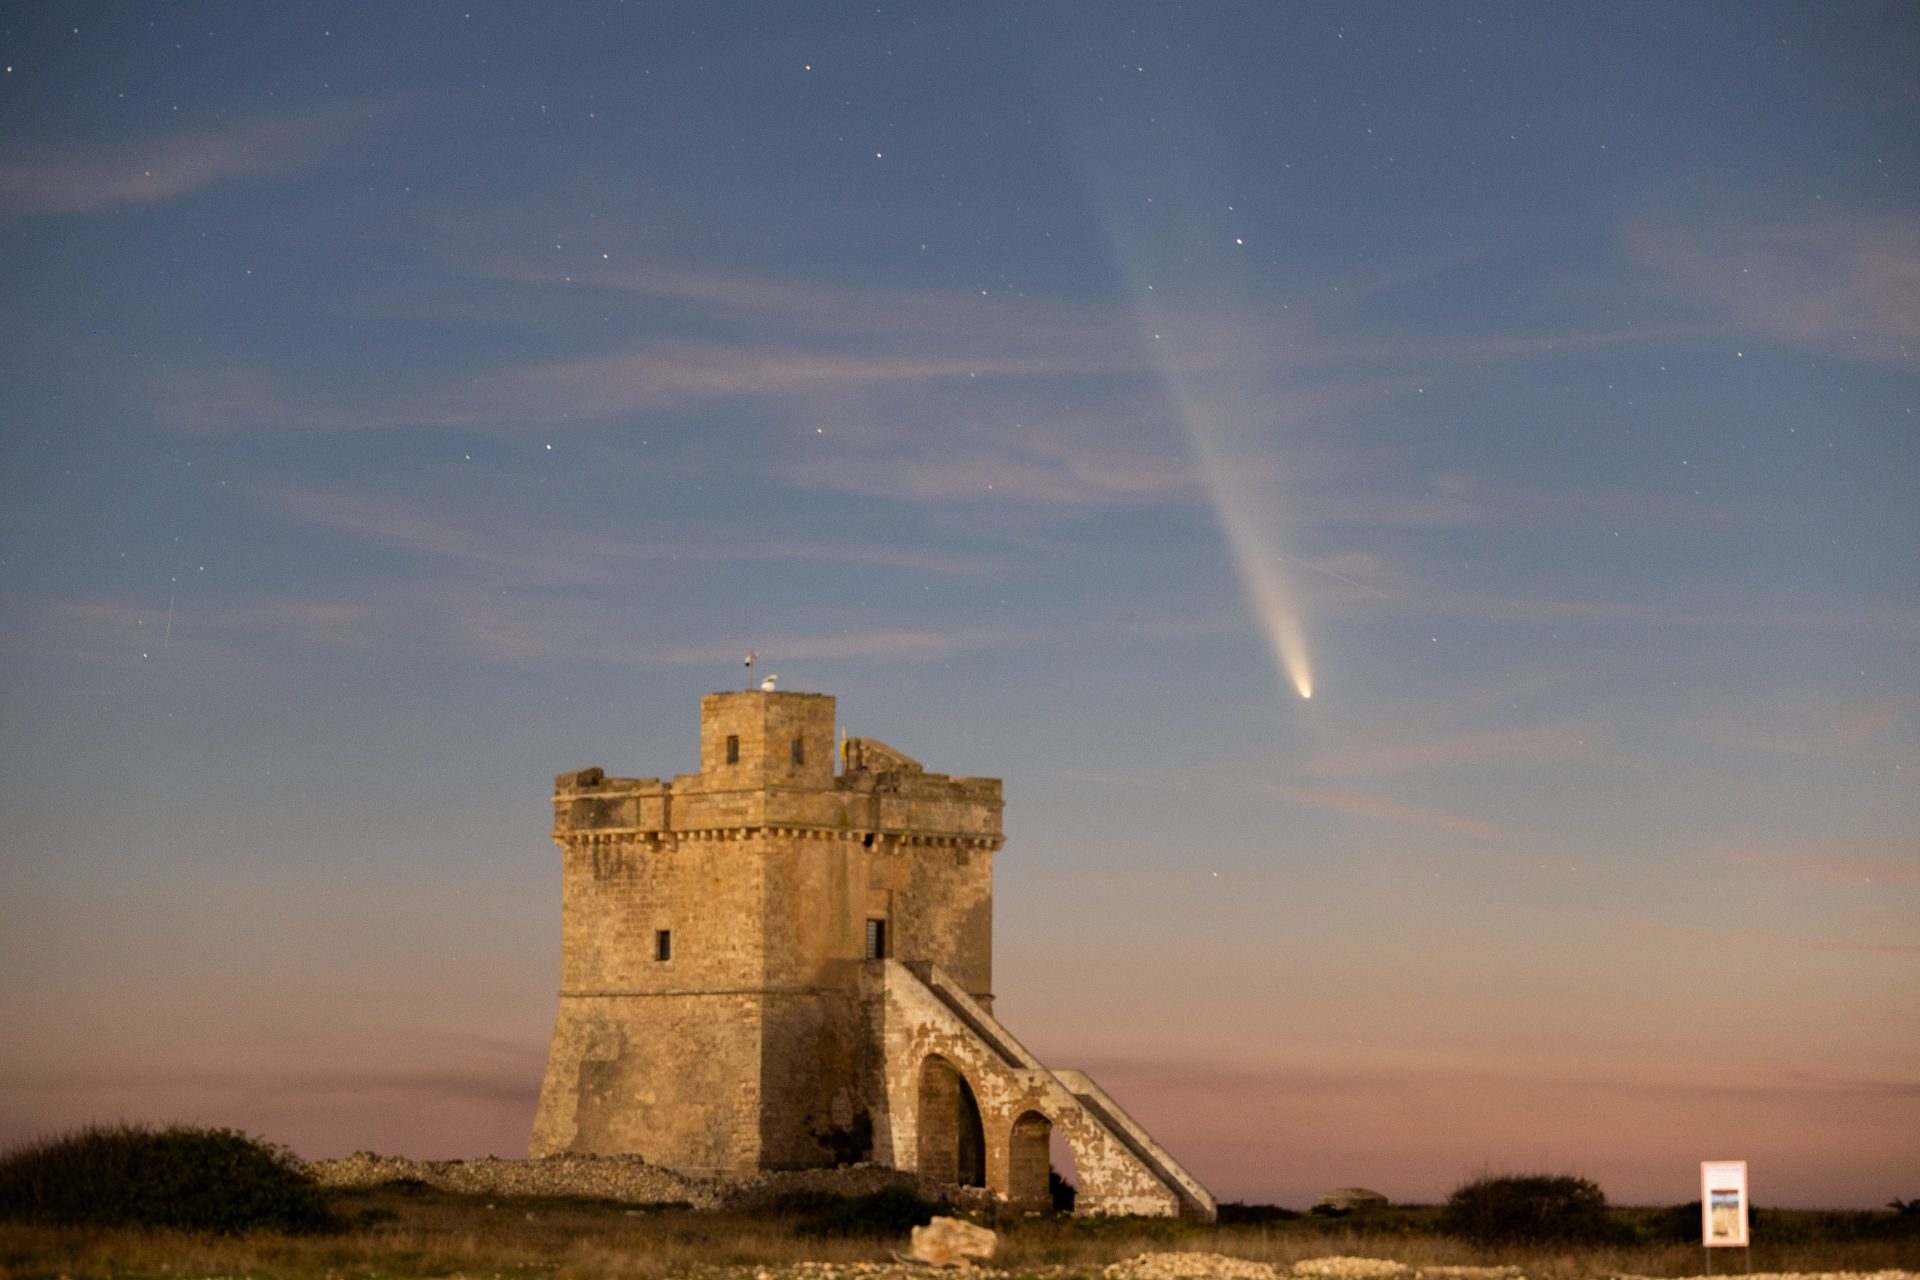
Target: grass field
(410, 1231)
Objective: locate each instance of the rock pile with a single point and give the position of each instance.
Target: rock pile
(628, 1179)
(848, 1180)
(1349, 1268)
(1188, 1266)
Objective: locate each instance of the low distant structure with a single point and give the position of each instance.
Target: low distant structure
(1345, 1200)
(769, 964)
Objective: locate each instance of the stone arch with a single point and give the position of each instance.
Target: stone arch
(952, 1141)
(1029, 1151)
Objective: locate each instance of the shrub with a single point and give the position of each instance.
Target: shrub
(1679, 1224)
(189, 1179)
(1237, 1213)
(888, 1212)
(1521, 1208)
(1061, 1192)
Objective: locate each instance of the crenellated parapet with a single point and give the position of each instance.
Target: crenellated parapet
(897, 802)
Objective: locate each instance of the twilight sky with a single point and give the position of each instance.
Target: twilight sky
(404, 403)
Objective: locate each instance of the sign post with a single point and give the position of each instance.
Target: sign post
(1723, 1208)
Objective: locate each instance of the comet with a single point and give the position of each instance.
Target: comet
(1184, 242)
(1269, 593)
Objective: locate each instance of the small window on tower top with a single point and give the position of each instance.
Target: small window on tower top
(799, 751)
(733, 748)
(663, 944)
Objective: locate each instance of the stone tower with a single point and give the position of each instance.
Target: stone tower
(774, 964)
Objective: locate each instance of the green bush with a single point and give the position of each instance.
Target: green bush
(1527, 1208)
(189, 1179)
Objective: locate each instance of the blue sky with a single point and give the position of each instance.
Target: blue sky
(405, 404)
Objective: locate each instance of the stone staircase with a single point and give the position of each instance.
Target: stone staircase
(1120, 1167)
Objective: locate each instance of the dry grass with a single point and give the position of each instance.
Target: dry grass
(418, 1234)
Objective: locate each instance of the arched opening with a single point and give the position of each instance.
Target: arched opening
(953, 1146)
(1060, 1155)
(1027, 1161)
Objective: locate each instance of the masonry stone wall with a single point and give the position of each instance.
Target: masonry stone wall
(744, 1048)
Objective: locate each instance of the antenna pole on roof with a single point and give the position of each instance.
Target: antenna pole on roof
(751, 655)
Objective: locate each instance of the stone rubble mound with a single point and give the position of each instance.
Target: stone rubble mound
(627, 1179)
(1188, 1266)
(1340, 1268)
(848, 1180)
(1799, 1275)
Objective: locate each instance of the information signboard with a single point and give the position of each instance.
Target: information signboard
(1723, 1203)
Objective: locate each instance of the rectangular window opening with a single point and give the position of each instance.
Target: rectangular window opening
(663, 944)
(876, 939)
(733, 748)
(799, 751)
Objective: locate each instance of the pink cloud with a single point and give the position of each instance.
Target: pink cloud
(114, 633)
(1851, 286)
(1365, 804)
(1811, 726)
(1836, 865)
(1763, 941)
(549, 555)
(1407, 753)
(473, 618)
(169, 166)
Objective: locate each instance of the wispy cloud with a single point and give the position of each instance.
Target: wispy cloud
(169, 166)
(1851, 286)
(1761, 942)
(525, 637)
(513, 552)
(1391, 590)
(1404, 753)
(1358, 803)
(1214, 1077)
(521, 553)
(511, 1083)
(1835, 865)
(1815, 727)
(474, 619)
(115, 633)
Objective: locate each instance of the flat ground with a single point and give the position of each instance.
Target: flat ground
(410, 1230)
